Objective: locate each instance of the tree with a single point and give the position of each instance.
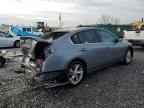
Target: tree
(107, 19)
(116, 21)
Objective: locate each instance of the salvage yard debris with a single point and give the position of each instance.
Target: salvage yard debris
(8, 56)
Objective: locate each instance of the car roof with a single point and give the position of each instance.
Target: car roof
(75, 29)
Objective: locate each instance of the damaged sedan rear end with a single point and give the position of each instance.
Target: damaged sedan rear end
(37, 62)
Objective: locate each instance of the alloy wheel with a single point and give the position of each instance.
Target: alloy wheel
(76, 73)
(128, 57)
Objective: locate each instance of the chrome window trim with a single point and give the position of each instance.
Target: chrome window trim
(91, 29)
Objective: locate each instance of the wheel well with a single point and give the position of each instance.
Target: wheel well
(80, 60)
(131, 49)
(16, 41)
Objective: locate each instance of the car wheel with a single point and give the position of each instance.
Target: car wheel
(128, 57)
(17, 44)
(75, 73)
(2, 61)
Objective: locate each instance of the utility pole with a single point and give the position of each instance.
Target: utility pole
(60, 18)
(46, 24)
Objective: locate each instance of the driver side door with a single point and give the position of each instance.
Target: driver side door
(114, 47)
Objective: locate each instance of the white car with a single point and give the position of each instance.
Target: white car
(136, 37)
(7, 40)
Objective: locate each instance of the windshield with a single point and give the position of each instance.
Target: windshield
(54, 35)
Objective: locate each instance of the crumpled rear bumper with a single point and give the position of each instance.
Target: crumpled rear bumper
(33, 72)
(46, 80)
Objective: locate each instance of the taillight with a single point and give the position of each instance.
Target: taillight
(49, 51)
(39, 61)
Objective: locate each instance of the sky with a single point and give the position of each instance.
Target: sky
(74, 12)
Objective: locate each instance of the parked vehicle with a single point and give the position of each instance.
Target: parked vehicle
(7, 40)
(24, 32)
(73, 54)
(136, 37)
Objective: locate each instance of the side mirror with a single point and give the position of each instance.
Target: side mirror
(118, 40)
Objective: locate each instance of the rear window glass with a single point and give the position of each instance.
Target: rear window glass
(75, 39)
(88, 36)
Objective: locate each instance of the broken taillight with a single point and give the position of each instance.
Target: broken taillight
(39, 61)
(49, 51)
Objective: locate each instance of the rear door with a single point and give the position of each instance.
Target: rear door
(91, 49)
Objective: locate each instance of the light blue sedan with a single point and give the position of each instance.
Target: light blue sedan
(74, 53)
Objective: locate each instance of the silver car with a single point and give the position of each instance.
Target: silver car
(7, 40)
(71, 54)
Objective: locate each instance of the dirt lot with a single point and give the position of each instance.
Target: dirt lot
(118, 86)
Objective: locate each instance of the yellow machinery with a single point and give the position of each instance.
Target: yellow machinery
(137, 25)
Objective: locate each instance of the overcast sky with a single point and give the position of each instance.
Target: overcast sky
(74, 12)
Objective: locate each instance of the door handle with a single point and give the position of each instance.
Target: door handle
(83, 50)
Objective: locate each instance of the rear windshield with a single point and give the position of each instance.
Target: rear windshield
(54, 35)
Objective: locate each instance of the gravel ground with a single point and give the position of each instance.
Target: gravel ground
(118, 86)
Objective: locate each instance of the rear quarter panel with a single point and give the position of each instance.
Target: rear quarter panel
(65, 53)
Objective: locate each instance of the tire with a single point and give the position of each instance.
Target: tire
(2, 61)
(17, 44)
(127, 57)
(75, 73)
